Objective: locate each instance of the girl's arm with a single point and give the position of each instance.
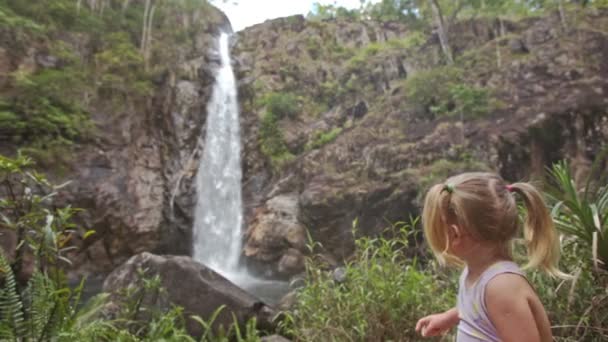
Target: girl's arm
(516, 311)
(437, 324)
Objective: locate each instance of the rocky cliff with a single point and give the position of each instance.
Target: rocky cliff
(370, 131)
(133, 172)
(341, 121)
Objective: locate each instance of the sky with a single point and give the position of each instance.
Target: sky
(250, 12)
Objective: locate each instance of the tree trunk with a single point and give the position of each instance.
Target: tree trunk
(125, 5)
(147, 52)
(142, 47)
(562, 14)
(78, 6)
(498, 53)
(443, 34)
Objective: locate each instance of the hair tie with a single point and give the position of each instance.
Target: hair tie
(509, 188)
(449, 188)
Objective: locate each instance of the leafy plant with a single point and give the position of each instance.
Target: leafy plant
(272, 142)
(382, 293)
(582, 213)
(443, 91)
(281, 105)
(322, 138)
(26, 209)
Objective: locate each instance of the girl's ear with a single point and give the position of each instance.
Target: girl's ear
(455, 233)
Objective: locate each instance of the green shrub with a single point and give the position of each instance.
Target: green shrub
(46, 105)
(581, 213)
(281, 105)
(272, 142)
(322, 138)
(443, 91)
(412, 40)
(120, 67)
(469, 101)
(576, 308)
(382, 297)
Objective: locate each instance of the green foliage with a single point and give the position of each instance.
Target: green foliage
(412, 40)
(272, 142)
(396, 10)
(382, 296)
(281, 105)
(10, 20)
(443, 91)
(581, 213)
(441, 169)
(234, 333)
(325, 12)
(120, 67)
(46, 308)
(46, 106)
(362, 56)
(26, 208)
(322, 138)
(11, 307)
(576, 309)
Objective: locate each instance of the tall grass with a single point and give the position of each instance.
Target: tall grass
(380, 298)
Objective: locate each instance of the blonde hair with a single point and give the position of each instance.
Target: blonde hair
(485, 206)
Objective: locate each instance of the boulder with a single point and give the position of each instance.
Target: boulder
(275, 236)
(191, 285)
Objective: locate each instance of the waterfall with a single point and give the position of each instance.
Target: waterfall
(218, 214)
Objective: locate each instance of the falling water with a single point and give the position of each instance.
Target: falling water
(218, 216)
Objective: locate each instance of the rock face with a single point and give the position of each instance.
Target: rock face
(134, 176)
(276, 236)
(137, 180)
(349, 78)
(358, 149)
(196, 288)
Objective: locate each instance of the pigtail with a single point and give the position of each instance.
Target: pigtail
(434, 220)
(539, 232)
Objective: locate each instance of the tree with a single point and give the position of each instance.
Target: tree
(442, 30)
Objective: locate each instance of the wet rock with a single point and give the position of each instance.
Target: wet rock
(516, 45)
(292, 262)
(339, 275)
(288, 301)
(277, 237)
(191, 285)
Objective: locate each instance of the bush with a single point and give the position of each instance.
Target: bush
(272, 142)
(321, 138)
(382, 297)
(581, 213)
(281, 105)
(46, 106)
(576, 309)
(443, 91)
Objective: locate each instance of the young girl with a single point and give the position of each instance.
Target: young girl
(471, 220)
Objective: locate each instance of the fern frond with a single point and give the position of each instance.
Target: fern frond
(11, 305)
(42, 304)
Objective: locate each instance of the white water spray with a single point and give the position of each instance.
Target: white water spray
(218, 215)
